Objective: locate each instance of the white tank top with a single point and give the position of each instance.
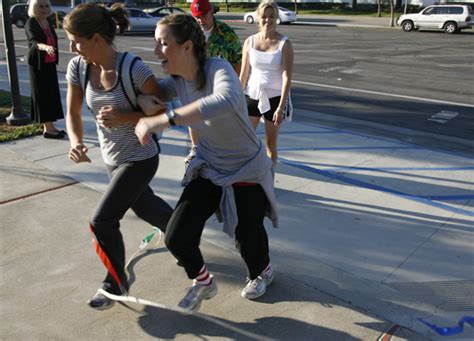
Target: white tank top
(265, 79)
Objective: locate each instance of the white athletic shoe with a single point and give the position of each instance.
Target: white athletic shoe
(258, 286)
(197, 293)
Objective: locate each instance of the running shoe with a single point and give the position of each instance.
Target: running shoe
(197, 293)
(258, 286)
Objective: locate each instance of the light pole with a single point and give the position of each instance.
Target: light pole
(17, 116)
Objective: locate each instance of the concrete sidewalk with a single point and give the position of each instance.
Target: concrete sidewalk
(49, 270)
(375, 235)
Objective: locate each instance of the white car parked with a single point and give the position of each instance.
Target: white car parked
(450, 18)
(285, 16)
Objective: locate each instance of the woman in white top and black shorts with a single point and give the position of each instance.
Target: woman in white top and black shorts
(267, 65)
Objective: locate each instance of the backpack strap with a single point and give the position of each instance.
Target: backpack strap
(126, 82)
(83, 71)
(126, 79)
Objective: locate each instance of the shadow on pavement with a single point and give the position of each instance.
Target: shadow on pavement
(165, 324)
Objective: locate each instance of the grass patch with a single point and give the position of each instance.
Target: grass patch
(8, 132)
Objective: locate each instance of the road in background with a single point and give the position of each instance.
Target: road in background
(419, 80)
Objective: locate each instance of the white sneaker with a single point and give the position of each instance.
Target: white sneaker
(258, 286)
(197, 293)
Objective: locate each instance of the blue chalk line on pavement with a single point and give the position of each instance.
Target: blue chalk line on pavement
(448, 197)
(331, 172)
(372, 137)
(367, 185)
(447, 331)
(306, 132)
(345, 148)
(387, 169)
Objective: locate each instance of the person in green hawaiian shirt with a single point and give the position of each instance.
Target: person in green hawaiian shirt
(221, 41)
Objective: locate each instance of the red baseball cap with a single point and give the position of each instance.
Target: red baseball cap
(200, 8)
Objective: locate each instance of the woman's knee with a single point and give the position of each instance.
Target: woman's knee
(103, 226)
(271, 144)
(174, 243)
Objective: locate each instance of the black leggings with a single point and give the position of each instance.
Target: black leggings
(128, 188)
(198, 202)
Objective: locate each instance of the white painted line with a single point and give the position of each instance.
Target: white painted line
(332, 68)
(142, 48)
(384, 94)
(443, 116)
(351, 71)
(339, 88)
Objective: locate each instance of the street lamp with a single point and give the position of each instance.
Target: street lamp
(17, 116)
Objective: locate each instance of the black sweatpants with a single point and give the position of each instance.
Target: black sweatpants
(128, 188)
(198, 202)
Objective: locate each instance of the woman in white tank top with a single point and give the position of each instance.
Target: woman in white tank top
(267, 65)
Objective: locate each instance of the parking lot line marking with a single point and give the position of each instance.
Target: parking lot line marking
(443, 116)
(384, 94)
(143, 48)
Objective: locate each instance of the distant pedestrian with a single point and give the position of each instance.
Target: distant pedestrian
(221, 41)
(266, 74)
(131, 166)
(231, 173)
(43, 56)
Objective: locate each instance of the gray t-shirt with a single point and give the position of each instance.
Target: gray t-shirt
(228, 150)
(226, 136)
(118, 145)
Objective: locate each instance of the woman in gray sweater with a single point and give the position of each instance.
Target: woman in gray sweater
(231, 174)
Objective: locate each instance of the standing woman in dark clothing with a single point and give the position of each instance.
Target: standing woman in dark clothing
(43, 57)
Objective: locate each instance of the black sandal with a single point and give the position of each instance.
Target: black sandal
(56, 136)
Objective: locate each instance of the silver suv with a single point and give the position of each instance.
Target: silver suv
(450, 18)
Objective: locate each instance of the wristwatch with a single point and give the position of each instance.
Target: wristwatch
(170, 114)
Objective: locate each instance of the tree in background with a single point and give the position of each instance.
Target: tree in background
(392, 13)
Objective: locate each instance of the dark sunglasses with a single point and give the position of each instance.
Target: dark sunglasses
(43, 6)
